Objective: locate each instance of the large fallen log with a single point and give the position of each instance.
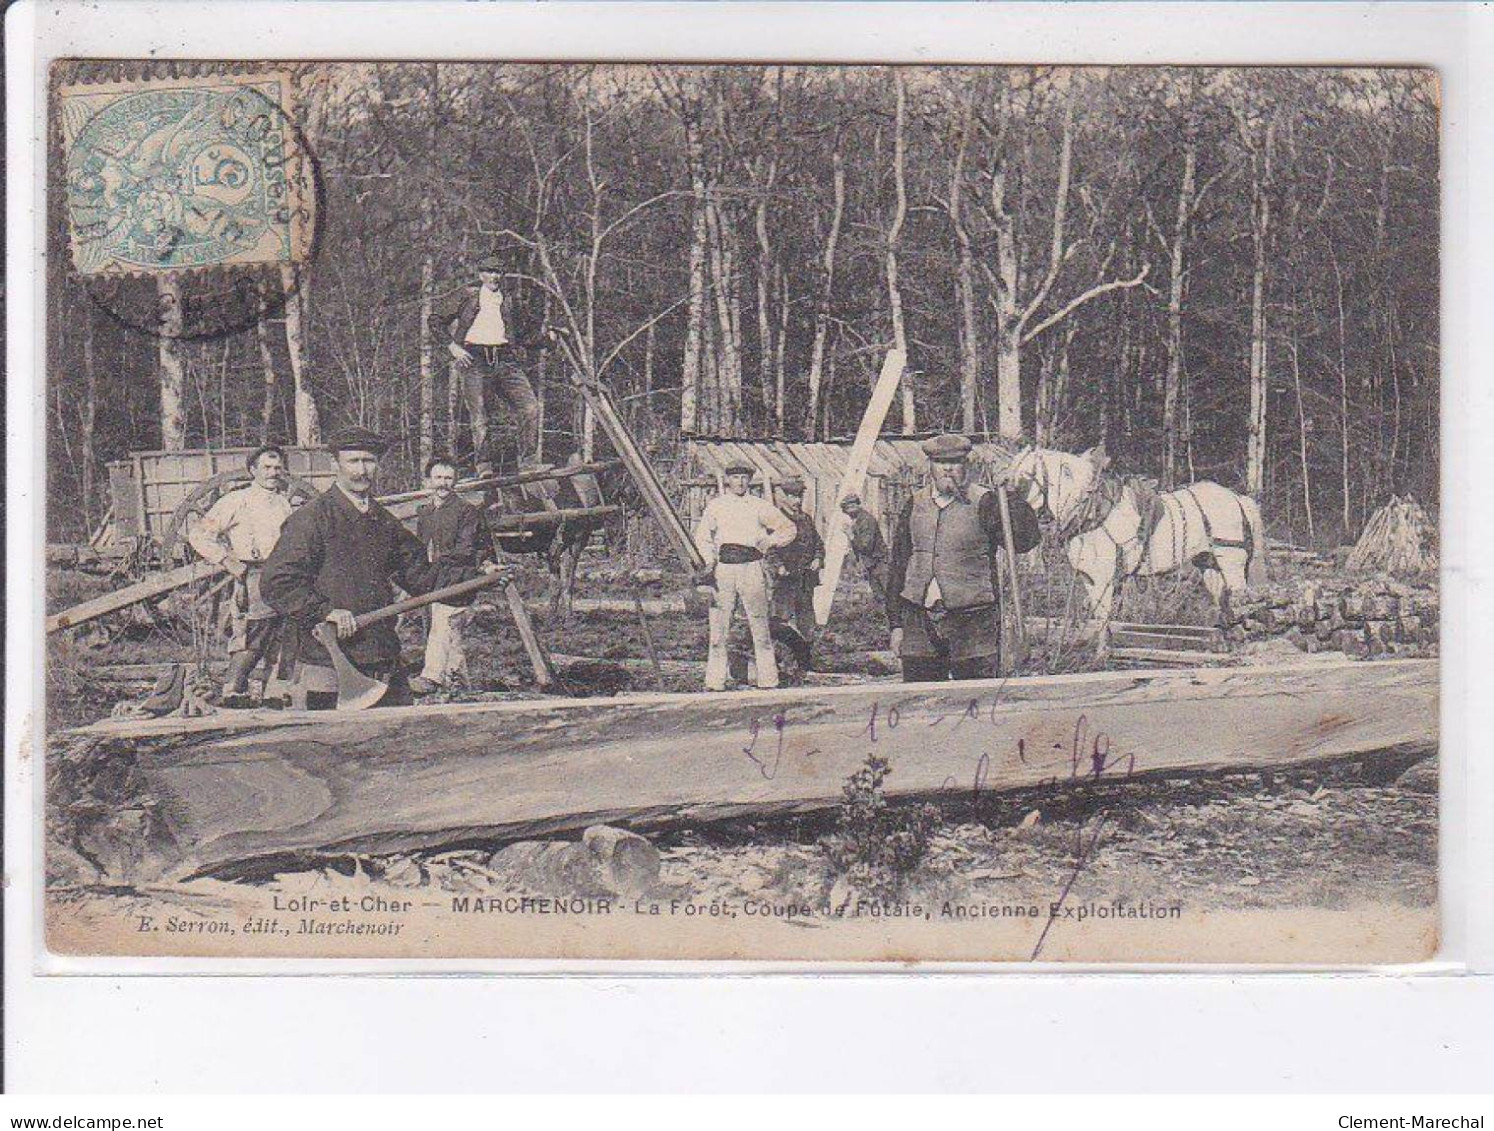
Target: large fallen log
(200, 794)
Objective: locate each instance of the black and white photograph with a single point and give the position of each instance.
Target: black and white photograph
(742, 512)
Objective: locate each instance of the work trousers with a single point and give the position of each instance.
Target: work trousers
(256, 638)
(500, 365)
(445, 652)
(749, 582)
(954, 644)
(793, 602)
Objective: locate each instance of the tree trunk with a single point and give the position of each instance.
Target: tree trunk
(827, 283)
(1302, 442)
(765, 344)
(778, 353)
(1343, 400)
(1175, 314)
(427, 345)
(690, 373)
(267, 366)
(1255, 451)
(964, 271)
(87, 424)
(172, 374)
(308, 419)
(894, 238)
(1008, 315)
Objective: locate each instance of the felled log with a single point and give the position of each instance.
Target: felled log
(1400, 538)
(175, 797)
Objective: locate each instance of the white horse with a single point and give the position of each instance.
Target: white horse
(1113, 529)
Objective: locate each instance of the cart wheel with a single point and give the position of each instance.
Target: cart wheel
(208, 492)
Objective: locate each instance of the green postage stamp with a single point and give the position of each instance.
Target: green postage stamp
(196, 172)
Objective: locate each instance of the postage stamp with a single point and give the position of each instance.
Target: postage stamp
(163, 175)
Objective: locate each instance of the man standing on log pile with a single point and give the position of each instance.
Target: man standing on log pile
(867, 543)
(455, 533)
(482, 339)
(943, 598)
(238, 533)
(736, 530)
(795, 569)
(335, 559)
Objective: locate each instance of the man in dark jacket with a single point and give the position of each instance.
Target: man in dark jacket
(867, 544)
(943, 591)
(455, 533)
(336, 558)
(794, 570)
(482, 335)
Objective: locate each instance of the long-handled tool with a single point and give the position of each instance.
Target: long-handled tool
(1019, 623)
(358, 692)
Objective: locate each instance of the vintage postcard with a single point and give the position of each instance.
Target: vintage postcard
(742, 512)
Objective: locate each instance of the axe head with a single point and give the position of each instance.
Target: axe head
(355, 691)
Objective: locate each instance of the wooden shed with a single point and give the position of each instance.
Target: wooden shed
(897, 468)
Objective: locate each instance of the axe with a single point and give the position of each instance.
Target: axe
(358, 692)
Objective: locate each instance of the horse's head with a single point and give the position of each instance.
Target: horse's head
(1056, 484)
(1024, 473)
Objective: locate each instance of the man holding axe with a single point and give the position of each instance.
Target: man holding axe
(332, 573)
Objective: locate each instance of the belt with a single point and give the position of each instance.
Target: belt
(733, 554)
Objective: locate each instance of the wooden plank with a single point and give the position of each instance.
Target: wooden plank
(1133, 638)
(1168, 657)
(264, 783)
(599, 400)
(1202, 631)
(839, 542)
(538, 661)
(155, 586)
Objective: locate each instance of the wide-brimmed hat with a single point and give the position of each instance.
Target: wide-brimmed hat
(357, 440)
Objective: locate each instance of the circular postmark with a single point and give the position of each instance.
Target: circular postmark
(191, 204)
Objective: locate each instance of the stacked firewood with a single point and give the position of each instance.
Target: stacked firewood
(1399, 539)
(1362, 618)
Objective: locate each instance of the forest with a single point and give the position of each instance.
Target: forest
(1226, 274)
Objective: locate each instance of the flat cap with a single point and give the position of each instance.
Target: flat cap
(948, 448)
(851, 500)
(357, 440)
(791, 485)
(491, 263)
(740, 467)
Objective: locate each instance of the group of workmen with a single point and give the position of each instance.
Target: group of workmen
(939, 579)
(340, 555)
(334, 559)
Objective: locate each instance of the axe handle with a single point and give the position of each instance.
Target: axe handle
(460, 589)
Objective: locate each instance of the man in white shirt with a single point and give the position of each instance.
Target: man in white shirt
(238, 533)
(484, 346)
(735, 531)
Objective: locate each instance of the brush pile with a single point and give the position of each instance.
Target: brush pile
(1362, 618)
(1399, 539)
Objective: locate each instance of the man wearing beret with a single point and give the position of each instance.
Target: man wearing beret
(483, 341)
(336, 559)
(867, 543)
(795, 569)
(942, 588)
(735, 532)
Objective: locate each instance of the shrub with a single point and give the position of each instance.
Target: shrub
(877, 847)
